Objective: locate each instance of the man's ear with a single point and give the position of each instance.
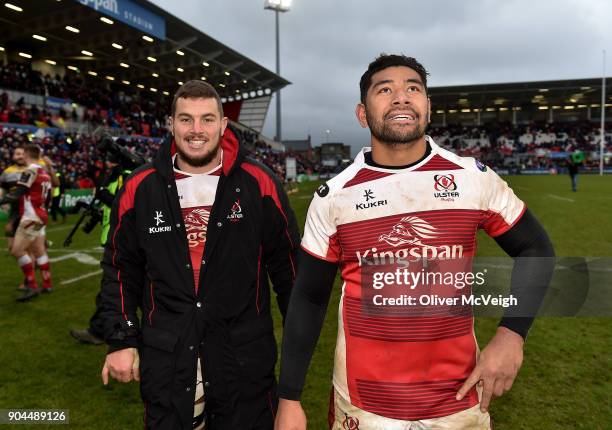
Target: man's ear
(171, 124)
(360, 112)
(428, 110)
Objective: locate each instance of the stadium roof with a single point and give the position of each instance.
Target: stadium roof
(128, 41)
(534, 95)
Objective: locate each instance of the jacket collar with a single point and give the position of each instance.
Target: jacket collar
(232, 154)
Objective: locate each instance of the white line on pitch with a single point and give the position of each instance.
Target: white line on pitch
(78, 278)
(78, 256)
(565, 199)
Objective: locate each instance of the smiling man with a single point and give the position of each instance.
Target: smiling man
(193, 238)
(406, 199)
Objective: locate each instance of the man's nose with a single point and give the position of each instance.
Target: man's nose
(198, 127)
(401, 97)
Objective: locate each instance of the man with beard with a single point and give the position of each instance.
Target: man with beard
(406, 202)
(32, 192)
(193, 238)
(8, 181)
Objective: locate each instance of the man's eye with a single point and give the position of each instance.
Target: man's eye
(385, 90)
(185, 120)
(413, 89)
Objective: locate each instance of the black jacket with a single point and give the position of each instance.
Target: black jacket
(147, 264)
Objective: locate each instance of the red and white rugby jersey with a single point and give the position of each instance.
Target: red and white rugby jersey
(196, 196)
(33, 204)
(405, 368)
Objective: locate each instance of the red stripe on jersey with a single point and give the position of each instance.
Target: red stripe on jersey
(414, 400)
(415, 229)
(366, 175)
(334, 250)
(495, 225)
(403, 328)
(178, 176)
(438, 163)
(126, 202)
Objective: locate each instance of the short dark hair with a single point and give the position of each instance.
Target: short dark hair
(196, 89)
(382, 62)
(32, 150)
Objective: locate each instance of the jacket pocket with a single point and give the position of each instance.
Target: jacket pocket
(157, 365)
(158, 338)
(257, 359)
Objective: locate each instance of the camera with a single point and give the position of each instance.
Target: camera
(109, 147)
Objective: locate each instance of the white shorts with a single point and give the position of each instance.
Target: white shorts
(349, 417)
(29, 230)
(198, 409)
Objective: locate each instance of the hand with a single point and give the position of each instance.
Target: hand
(497, 366)
(290, 416)
(122, 365)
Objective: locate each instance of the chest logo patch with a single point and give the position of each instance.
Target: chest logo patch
(236, 212)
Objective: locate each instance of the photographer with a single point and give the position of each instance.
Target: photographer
(108, 183)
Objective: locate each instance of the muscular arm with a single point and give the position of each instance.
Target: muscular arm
(534, 260)
(305, 317)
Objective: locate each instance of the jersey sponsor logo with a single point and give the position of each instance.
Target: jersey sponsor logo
(196, 224)
(412, 232)
(323, 190)
(236, 214)
(446, 187)
(159, 219)
(369, 195)
(350, 423)
(481, 166)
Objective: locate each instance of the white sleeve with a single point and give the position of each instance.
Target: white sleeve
(502, 208)
(320, 235)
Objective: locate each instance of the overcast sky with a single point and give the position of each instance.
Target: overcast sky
(326, 46)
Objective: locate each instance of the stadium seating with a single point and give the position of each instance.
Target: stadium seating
(104, 105)
(141, 117)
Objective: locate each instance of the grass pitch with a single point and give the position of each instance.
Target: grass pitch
(565, 382)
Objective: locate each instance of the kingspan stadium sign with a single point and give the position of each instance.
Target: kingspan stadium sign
(131, 14)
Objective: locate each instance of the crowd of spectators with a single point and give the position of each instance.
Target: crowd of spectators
(143, 116)
(275, 160)
(105, 103)
(78, 158)
(533, 142)
(75, 156)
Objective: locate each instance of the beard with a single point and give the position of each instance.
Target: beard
(202, 160)
(389, 135)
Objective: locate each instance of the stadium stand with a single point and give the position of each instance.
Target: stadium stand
(536, 145)
(130, 112)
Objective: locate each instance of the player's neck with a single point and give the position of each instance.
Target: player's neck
(398, 154)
